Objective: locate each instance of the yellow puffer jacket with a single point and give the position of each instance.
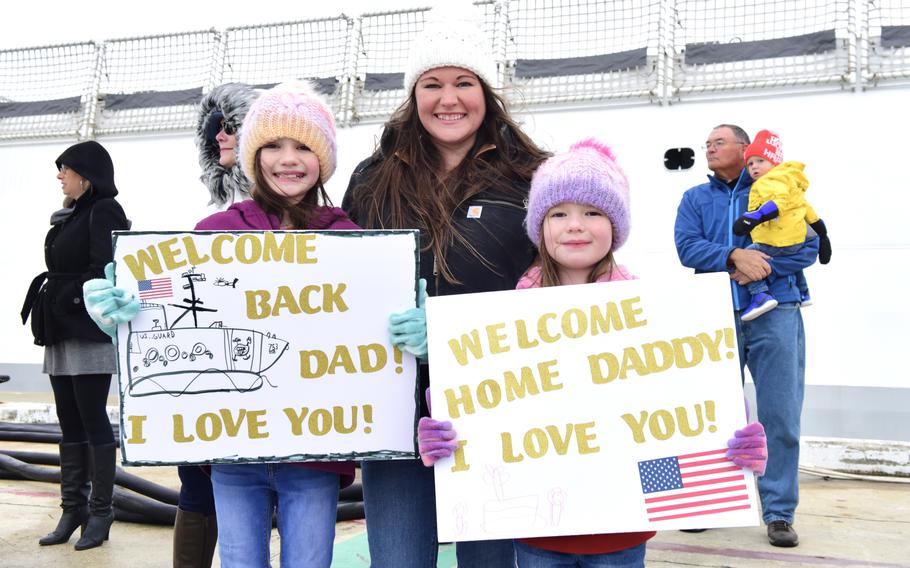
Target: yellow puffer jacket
(786, 185)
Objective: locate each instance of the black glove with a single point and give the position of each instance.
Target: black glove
(824, 243)
(752, 219)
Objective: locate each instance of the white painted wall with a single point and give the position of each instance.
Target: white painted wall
(853, 145)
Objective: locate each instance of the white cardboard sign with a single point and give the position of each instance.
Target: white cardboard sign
(589, 409)
(265, 346)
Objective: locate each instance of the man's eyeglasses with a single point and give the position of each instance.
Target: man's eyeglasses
(719, 144)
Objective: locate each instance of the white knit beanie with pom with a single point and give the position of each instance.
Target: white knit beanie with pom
(452, 36)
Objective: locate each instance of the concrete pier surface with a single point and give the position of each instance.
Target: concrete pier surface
(841, 522)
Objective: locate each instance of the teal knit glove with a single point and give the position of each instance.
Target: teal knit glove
(408, 329)
(107, 305)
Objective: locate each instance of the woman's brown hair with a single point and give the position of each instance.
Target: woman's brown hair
(299, 214)
(410, 190)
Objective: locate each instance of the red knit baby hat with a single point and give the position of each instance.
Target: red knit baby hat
(766, 145)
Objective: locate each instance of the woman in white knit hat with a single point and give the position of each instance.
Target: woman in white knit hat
(452, 163)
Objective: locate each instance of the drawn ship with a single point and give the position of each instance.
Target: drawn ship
(164, 359)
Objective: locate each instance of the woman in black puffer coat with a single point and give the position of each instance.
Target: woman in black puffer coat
(79, 357)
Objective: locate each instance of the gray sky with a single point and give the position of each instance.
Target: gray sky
(32, 23)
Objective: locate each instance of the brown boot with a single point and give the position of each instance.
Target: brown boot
(195, 536)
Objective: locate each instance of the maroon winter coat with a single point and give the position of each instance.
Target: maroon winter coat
(248, 216)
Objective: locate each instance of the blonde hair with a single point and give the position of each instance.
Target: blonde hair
(69, 201)
(549, 268)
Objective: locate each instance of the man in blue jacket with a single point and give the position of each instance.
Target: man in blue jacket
(774, 345)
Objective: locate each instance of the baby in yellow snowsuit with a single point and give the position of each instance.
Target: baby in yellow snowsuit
(777, 216)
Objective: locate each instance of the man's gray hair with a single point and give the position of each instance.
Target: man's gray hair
(738, 133)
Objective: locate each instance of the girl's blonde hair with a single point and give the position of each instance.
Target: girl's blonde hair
(549, 268)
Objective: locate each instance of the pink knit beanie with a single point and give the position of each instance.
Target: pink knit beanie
(587, 174)
(289, 110)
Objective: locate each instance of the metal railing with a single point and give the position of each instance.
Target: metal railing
(547, 51)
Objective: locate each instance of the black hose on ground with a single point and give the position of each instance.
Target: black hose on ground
(138, 507)
(39, 433)
(143, 510)
(122, 478)
(35, 437)
(349, 511)
(351, 493)
(34, 458)
(131, 508)
(151, 503)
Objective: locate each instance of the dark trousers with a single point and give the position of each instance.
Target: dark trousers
(196, 494)
(82, 408)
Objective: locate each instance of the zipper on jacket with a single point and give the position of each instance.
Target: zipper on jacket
(505, 203)
(457, 207)
(731, 212)
(435, 274)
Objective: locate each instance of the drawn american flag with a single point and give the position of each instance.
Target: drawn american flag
(691, 485)
(155, 288)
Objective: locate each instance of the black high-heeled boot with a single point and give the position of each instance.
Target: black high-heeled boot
(74, 491)
(98, 527)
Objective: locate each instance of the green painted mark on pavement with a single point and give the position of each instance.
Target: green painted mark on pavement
(355, 553)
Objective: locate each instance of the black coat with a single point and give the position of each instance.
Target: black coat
(498, 234)
(76, 249)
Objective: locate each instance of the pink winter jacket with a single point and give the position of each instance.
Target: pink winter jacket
(531, 278)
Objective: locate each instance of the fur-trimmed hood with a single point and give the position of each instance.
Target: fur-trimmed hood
(233, 100)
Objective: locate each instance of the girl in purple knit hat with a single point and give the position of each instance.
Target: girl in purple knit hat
(578, 214)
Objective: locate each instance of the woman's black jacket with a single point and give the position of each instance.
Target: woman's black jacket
(75, 250)
(494, 225)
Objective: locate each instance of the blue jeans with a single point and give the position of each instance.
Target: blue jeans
(305, 500)
(762, 285)
(774, 348)
(531, 557)
(399, 499)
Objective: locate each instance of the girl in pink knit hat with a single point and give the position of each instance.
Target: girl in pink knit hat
(287, 149)
(578, 214)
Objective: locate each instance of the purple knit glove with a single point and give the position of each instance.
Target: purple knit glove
(435, 440)
(748, 448)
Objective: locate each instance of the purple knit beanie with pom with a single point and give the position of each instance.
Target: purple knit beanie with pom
(587, 174)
